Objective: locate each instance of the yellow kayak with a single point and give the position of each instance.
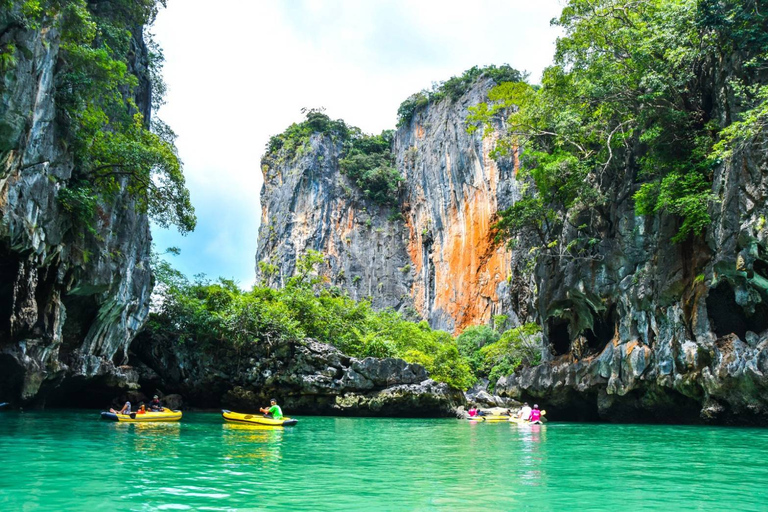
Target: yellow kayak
(164, 415)
(256, 419)
(490, 417)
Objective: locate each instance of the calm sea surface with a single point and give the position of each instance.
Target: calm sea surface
(71, 460)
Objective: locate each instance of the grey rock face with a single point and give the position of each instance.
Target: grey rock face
(679, 331)
(70, 300)
(307, 203)
(434, 253)
(306, 377)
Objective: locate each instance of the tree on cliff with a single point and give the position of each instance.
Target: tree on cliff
(103, 88)
(218, 315)
(629, 100)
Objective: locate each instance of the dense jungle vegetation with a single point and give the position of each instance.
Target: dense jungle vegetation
(101, 70)
(630, 100)
(212, 313)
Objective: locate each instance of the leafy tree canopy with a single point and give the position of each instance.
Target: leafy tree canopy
(219, 314)
(629, 98)
(115, 147)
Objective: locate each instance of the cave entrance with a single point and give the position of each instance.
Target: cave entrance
(559, 339)
(81, 312)
(726, 316)
(11, 378)
(9, 270)
(602, 332)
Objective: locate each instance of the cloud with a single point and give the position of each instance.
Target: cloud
(242, 71)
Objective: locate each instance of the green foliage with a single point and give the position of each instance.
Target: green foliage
(7, 57)
(219, 314)
(80, 201)
(285, 146)
(516, 347)
(114, 147)
(454, 88)
(369, 161)
(626, 99)
(471, 341)
(493, 355)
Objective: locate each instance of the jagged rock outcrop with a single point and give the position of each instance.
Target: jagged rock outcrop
(642, 329)
(433, 252)
(307, 377)
(679, 331)
(71, 299)
(307, 203)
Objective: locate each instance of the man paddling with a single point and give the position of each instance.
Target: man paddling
(273, 411)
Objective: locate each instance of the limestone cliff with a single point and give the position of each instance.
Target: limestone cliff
(307, 203)
(432, 252)
(71, 298)
(650, 330)
(642, 329)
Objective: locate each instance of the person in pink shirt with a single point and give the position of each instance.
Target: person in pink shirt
(535, 413)
(472, 412)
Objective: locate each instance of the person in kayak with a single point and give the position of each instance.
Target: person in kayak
(142, 409)
(155, 404)
(273, 411)
(472, 412)
(525, 412)
(535, 413)
(125, 410)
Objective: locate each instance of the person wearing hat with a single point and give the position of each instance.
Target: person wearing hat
(273, 411)
(155, 404)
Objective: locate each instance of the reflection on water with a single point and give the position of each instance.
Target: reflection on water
(70, 461)
(532, 439)
(252, 441)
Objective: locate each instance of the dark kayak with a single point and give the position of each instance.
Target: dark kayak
(4, 404)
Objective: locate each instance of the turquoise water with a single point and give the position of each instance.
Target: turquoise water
(73, 461)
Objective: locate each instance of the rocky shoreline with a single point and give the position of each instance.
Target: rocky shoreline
(307, 377)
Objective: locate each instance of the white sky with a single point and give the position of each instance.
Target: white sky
(239, 71)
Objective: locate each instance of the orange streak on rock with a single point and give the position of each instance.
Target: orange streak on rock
(469, 266)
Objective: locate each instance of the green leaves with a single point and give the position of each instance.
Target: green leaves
(369, 161)
(115, 148)
(493, 355)
(219, 314)
(454, 88)
(629, 97)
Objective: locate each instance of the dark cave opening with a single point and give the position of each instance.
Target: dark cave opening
(761, 268)
(559, 339)
(86, 393)
(602, 332)
(727, 317)
(11, 378)
(9, 269)
(81, 312)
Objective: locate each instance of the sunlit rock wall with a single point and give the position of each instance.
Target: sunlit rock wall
(453, 191)
(432, 255)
